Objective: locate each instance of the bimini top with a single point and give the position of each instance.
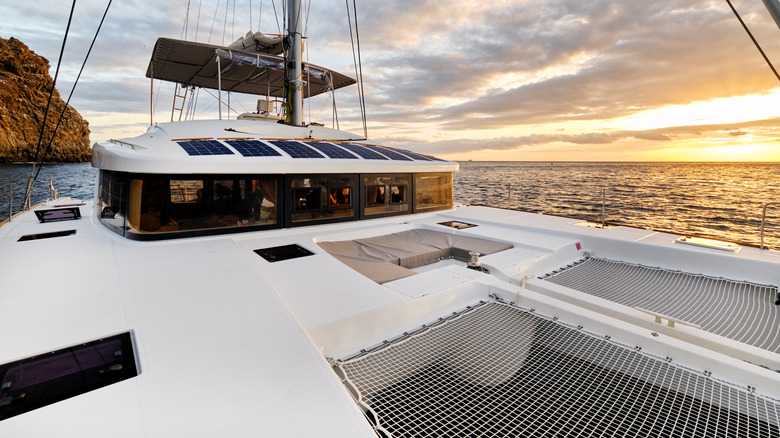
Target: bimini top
(249, 146)
(252, 68)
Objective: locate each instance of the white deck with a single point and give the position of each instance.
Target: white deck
(229, 343)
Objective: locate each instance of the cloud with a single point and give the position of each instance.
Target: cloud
(446, 65)
(769, 127)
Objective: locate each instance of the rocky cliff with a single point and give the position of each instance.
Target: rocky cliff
(24, 92)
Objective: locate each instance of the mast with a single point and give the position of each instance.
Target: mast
(294, 69)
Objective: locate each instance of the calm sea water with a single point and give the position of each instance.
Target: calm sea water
(719, 200)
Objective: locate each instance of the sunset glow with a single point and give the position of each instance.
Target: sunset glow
(542, 80)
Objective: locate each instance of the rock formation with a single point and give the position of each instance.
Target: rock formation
(24, 91)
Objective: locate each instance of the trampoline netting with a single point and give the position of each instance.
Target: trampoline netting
(495, 370)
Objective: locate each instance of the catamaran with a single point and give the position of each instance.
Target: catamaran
(248, 277)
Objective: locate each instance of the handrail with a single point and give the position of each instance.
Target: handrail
(763, 220)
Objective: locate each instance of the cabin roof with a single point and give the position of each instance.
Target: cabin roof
(250, 147)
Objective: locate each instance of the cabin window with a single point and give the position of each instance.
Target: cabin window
(398, 195)
(162, 205)
(307, 199)
(386, 195)
(112, 195)
(48, 378)
(142, 206)
(432, 191)
(321, 197)
(340, 198)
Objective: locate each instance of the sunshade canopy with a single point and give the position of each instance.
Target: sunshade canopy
(243, 70)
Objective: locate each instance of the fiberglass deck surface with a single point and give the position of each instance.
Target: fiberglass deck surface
(741, 311)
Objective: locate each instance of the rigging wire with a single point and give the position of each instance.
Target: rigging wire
(186, 22)
(197, 21)
(213, 20)
(260, 17)
(360, 63)
(224, 24)
(67, 102)
(750, 34)
(355, 61)
(31, 180)
(276, 15)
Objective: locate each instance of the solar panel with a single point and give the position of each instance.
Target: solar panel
(204, 147)
(414, 155)
(391, 154)
(296, 150)
(331, 150)
(253, 148)
(363, 152)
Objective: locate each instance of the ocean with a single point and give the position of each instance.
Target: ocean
(716, 200)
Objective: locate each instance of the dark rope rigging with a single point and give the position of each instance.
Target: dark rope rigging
(768, 62)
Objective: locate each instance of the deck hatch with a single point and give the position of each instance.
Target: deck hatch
(204, 147)
(48, 378)
(284, 252)
(40, 236)
(497, 370)
(742, 311)
(58, 214)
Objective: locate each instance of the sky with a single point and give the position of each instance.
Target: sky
(535, 80)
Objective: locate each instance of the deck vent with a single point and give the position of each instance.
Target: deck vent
(281, 253)
(497, 370)
(58, 214)
(40, 236)
(457, 225)
(742, 311)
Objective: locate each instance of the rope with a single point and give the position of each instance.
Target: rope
(768, 62)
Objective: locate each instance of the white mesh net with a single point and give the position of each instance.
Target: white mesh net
(496, 370)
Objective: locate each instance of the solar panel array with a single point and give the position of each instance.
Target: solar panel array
(204, 147)
(296, 149)
(331, 150)
(389, 153)
(299, 149)
(253, 148)
(415, 156)
(363, 152)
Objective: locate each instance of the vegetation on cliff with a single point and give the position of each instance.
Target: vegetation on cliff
(25, 84)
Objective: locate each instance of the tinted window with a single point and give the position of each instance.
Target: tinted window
(41, 380)
(432, 191)
(163, 205)
(322, 197)
(386, 194)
